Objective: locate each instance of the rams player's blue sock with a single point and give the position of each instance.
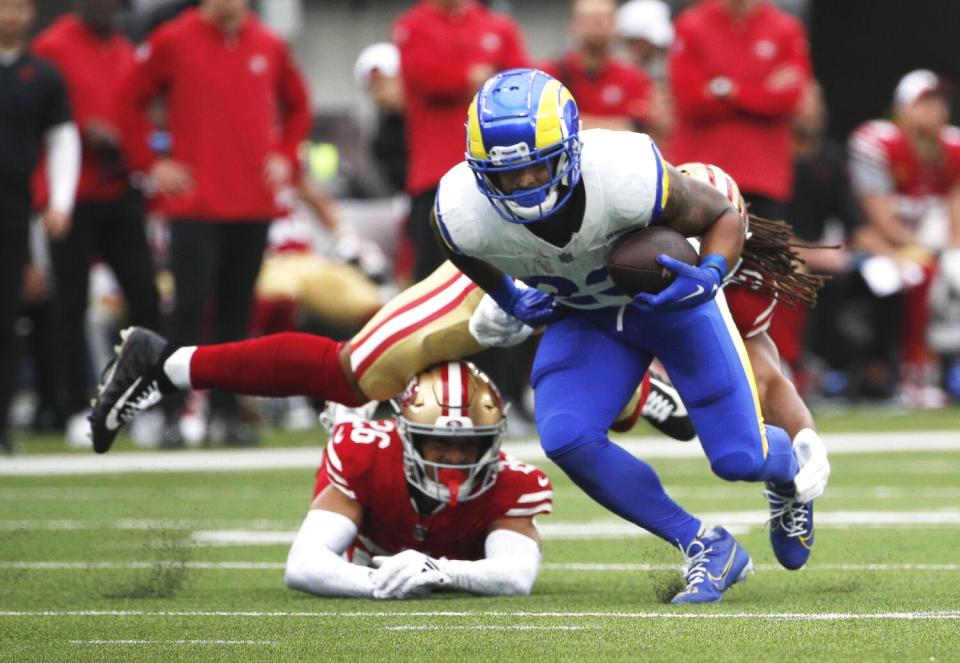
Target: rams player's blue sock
(780, 465)
(629, 487)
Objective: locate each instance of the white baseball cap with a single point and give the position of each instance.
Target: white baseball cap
(646, 19)
(914, 85)
(382, 57)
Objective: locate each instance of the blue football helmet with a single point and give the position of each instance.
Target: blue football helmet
(519, 118)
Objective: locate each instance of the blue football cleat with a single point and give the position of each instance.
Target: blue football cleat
(714, 562)
(791, 526)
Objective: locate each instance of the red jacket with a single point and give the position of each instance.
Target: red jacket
(437, 50)
(618, 89)
(230, 102)
(748, 133)
(93, 69)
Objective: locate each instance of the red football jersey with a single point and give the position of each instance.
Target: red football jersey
(752, 309)
(365, 462)
(882, 160)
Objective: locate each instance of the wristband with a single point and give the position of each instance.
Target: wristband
(715, 261)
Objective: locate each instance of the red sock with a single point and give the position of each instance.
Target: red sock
(288, 364)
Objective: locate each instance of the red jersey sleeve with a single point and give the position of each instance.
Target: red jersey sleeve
(689, 77)
(349, 457)
(869, 162)
(145, 81)
(295, 104)
(429, 71)
(773, 97)
(523, 490)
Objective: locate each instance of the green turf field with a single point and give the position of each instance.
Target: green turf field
(133, 567)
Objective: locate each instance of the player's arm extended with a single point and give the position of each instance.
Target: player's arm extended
(512, 550)
(696, 209)
(315, 563)
(528, 305)
(510, 567)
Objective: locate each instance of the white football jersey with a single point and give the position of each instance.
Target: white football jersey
(626, 186)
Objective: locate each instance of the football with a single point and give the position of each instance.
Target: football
(633, 265)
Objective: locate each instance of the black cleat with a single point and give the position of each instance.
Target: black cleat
(128, 385)
(666, 412)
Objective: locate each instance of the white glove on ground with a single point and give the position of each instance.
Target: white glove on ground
(409, 574)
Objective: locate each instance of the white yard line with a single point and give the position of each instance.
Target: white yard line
(491, 627)
(233, 493)
(277, 459)
(548, 566)
(777, 616)
(226, 532)
(172, 642)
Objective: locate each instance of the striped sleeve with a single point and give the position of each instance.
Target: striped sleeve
(869, 160)
(349, 457)
(527, 490)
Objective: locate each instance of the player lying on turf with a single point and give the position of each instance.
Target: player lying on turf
(424, 502)
(540, 200)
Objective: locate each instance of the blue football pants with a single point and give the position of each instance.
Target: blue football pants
(587, 367)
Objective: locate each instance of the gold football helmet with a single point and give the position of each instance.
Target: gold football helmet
(715, 176)
(451, 400)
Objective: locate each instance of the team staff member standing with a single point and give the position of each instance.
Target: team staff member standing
(611, 93)
(236, 110)
(108, 219)
(448, 48)
(33, 110)
(737, 70)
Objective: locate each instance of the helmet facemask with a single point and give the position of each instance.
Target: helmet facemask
(522, 118)
(535, 204)
(449, 402)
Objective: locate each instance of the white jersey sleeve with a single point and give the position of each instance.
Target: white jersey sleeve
(626, 186)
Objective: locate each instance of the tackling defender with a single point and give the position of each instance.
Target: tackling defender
(428, 499)
(444, 317)
(565, 196)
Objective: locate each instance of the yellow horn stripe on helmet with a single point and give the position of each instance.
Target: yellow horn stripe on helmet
(475, 146)
(550, 129)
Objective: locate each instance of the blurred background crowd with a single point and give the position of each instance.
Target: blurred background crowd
(249, 167)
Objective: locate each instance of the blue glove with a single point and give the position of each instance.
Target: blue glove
(691, 287)
(528, 305)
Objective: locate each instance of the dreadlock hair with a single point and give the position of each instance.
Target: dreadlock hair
(770, 249)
